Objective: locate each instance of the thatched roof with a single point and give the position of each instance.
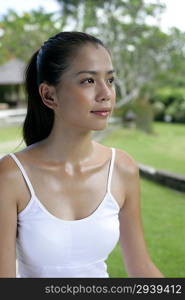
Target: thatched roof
(12, 72)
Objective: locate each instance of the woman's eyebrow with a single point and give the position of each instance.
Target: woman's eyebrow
(92, 72)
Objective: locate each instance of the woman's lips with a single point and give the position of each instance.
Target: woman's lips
(101, 113)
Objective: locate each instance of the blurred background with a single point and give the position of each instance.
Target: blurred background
(147, 41)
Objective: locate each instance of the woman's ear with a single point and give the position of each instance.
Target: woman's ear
(48, 95)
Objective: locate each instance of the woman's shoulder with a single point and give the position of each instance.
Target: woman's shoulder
(8, 170)
(125, 159)
(9, 178)
(7, 163)
(126, 163)
(7, 167)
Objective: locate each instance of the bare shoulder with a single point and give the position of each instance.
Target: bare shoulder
(126, 164)
(129, 175)
(7, 167)
(8, 177)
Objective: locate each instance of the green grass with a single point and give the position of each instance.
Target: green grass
(163, 150)
(10, 139)
(10, 133)
(164, 229)
(162, 208)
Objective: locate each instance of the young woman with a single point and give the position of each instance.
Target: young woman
(66, 200)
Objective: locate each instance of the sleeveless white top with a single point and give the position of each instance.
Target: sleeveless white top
(48, 246)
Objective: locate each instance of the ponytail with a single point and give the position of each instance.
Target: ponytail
(39, 118)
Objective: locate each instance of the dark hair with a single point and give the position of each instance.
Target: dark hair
(47, 65)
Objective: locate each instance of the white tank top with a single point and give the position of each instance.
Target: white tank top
(48, 246)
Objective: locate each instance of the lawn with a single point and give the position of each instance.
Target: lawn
(10, 139)
(163, 209)
(164, 228)
(165, 149)
(10, 133)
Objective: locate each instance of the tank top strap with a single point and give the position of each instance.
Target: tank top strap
(17, 161)
(111, 170)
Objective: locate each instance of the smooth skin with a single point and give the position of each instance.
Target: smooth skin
(70, 165)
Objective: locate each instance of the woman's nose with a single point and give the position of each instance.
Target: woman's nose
(104, 93)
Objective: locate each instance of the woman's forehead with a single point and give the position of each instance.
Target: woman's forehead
(93, 58)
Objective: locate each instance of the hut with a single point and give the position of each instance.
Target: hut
(11, 82)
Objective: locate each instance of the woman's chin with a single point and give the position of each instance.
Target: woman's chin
(99, 128)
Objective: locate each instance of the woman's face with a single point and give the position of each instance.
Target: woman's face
(86, 93)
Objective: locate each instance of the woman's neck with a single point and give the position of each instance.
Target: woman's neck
(68, 145)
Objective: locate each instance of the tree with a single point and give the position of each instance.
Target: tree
(21, 35)
(175, 53)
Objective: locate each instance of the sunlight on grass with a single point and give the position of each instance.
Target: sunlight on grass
(10, 133)
(164, 229)
(163, 209)
(10, 139)
(163, 150)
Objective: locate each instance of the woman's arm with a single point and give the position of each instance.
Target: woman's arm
(8, 221)
(135, 254)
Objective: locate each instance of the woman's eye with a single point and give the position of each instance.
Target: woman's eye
(111, 80)
(88, 80)
(92, 81)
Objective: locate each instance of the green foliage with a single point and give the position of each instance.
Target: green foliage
(172, 102)
(143, 55)
(22, 35)
(145, 58)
